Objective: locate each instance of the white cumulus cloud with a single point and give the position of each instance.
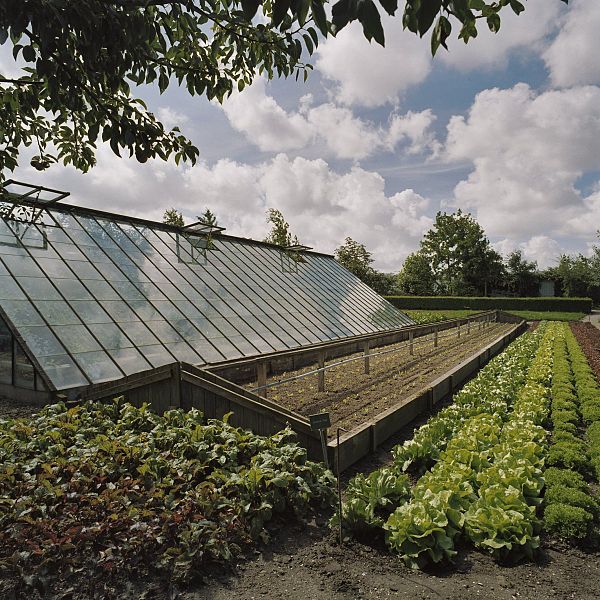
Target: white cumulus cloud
(367, 74)
(517, 34)
(528, 151)
(334, 130)
(571, 58)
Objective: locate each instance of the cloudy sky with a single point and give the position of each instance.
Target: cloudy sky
(379, 139)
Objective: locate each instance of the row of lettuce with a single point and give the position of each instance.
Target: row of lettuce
(105, 488)
(482, 460)
(571, 511)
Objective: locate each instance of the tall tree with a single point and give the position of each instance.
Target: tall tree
(416, 276)
(522, 276)
(209, 218)
(83, 57)
(574, 274)
(355, 257)
(173, 217)
(280, 230)
(460, 255)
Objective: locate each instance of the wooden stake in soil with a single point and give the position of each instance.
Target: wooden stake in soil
(322, 373)
(435, 338)
(367, 361)
(261, 376)
(411, 343)
(339, 485)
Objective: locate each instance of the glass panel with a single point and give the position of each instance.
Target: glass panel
(68, 251)
(6, 353)
(111, 272)
(76, 338)
(89, 311)
(22, 265)
(37, 288)
(9, 290)
(130, 360)
(138, 333)
(71, 289)
(84, 269)
(21, 312)
(98, 366)
(110, 336)
(62, 371)
(119, 311)
(101, 290)
(145, 310)
(41, 341)
(157, 355)
(128, 291)
(164, 332)
(57, 312)
(24, 371)
(184, 353)
(53, 268)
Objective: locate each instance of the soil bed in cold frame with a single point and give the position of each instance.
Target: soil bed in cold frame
(353, 397)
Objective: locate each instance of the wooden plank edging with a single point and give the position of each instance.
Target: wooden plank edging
(393, 419)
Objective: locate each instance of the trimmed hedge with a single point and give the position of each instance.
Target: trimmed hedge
(473, 303)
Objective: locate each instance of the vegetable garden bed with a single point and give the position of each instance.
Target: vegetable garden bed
(97, 491)
(352, 397)
(482, 461)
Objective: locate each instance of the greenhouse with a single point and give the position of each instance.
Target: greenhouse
(88, 297)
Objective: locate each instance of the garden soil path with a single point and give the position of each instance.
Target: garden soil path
(309, 564)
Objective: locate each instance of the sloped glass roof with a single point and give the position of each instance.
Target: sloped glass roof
(94, 297)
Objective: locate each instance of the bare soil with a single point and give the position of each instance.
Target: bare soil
(588, 338)
(308, 562)
(353, 397)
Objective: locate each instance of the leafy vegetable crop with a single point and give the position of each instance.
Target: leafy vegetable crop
(100, 488)
(570, 510)
(487, 450)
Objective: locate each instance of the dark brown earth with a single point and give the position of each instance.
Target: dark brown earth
(588, 338)
(309, 563)
(352, 397)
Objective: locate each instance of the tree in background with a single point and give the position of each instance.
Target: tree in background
(173, 217)
(208, 218)
(83, 58)
(595, 264)
(460, 255)
(522, 277)
(416, 277)
(357, 259)
(575, 275)
(280, 230)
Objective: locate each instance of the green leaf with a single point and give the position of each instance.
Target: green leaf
(249, 8)
(426, 15)
(318, 13)
(280, 9)
(368, 15)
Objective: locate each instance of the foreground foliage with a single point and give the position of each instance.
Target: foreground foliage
(102, 488)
